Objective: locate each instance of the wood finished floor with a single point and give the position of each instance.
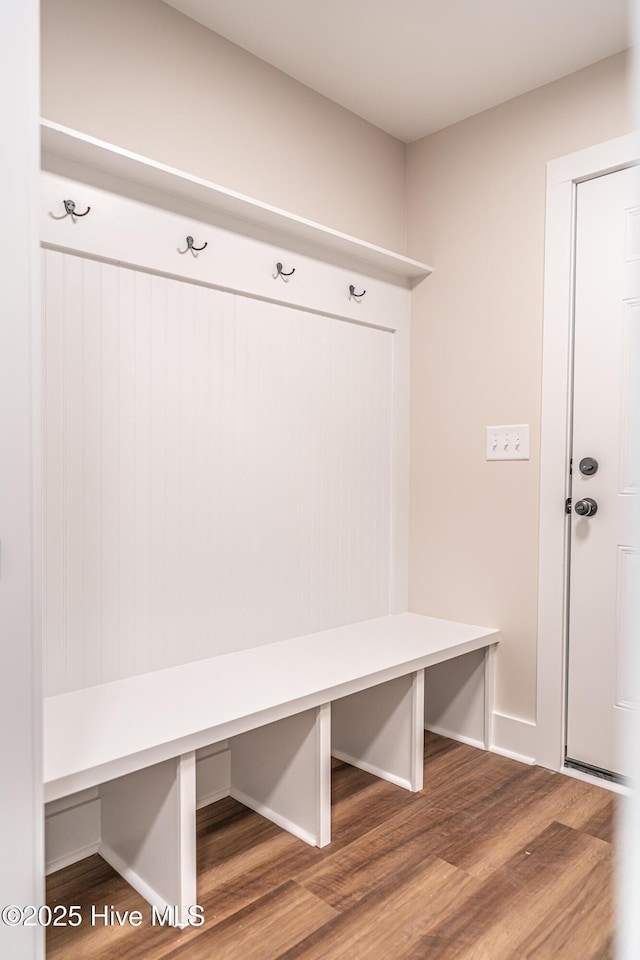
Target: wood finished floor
(493, 860)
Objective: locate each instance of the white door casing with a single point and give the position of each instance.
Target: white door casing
(21, 829)
(563, 175)
(604, 559)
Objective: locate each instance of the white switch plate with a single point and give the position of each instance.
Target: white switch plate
(509, 442)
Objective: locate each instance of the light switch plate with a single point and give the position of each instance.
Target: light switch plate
(510, 442)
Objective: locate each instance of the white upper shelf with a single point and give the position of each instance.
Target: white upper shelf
(59, 141)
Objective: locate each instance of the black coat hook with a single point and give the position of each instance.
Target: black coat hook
(191, 247)
(280, 272)
(70, 209)
(352, 292)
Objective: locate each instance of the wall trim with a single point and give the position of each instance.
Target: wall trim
(21, 826)
(72, 857)
(371, 768)
(272, 815)
(514, 737)
(72, 823)
(72, 829)
(129, 874)
(213, 797)
(452, 735)
(512, 755)
(511, 737)
(563, 175)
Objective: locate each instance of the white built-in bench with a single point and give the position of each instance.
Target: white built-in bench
(354, 692)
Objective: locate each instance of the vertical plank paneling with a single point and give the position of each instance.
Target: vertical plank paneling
(142, 471)
(110, 369)
(293, 492)
(201, 511)
(281, 392)
(340, 544)
(75, 507)
(385, 455)
(159, 400)
(331, 466)
(54, 509)
(236, 491)
(186, 459)
(257, 508)
(127, 474)
(306, 440)
(356, 477)
(203, 508)
(252, 495)
(218, 471)
(315, 440)
(91, 457)
(224, 548)
(170, 523)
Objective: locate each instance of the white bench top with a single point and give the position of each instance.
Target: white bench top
(101, 732)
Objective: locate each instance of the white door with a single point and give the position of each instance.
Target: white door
(604, 560)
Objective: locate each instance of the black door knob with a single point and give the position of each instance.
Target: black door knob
(586, 507)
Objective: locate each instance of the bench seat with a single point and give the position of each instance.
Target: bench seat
(137, 737)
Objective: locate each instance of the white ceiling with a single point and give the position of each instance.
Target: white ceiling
(415, 66)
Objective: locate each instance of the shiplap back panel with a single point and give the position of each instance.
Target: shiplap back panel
(217, 471)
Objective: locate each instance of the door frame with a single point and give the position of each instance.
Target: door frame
(21, 825)
(563, 176)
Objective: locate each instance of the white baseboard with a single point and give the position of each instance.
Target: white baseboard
(134, 879)
(72, 829)
(275, 817)
(59, 863)
(213, 774)
(371, 768)
(514, 738)
(512, 755)
(72, 824)
(453, 735)
(208, 798)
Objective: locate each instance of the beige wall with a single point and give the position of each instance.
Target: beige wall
(141, 75)
(476, 211)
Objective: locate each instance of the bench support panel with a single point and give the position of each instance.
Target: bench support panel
(490, 653)
(283, 771)
(148, 833)
(380, 730)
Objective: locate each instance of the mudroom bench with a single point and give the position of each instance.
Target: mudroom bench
(354, 692)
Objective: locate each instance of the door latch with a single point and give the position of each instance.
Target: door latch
(567, 505)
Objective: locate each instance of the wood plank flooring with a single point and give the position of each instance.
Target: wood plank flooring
(493, 860)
